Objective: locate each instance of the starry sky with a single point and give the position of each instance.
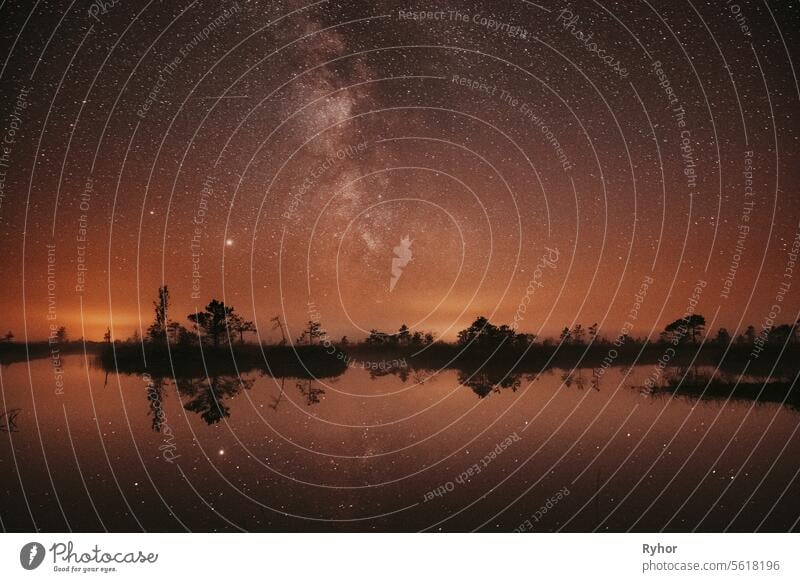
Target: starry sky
(276, 154)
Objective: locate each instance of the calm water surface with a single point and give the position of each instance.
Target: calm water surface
(363, 453)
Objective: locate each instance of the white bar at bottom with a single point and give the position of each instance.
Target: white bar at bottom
(403, 557)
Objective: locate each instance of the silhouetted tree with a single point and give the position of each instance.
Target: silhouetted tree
(470, 335)
(578, 334)
(241, 326)
(8, 338)
(524, 340)
(676, 331)
(312, 331)
(310, 392)
(403, 335)
(566, 336)
(505, 332)
(213, 321)
(483, 334)
(61, 334)
(176, 333)
(157, 331)
(688, 327)
(781, 334)
(421, 339)
(377, 338)
(489, 379)
(276, 324)
(723, 337)
(207, 398)
(696, 324)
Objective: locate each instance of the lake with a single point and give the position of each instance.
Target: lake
(411, 451)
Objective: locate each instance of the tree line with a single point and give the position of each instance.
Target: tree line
(218, 324)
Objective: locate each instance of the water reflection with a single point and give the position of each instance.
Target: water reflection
(276, 400)
(208, 397)
(371, 440)
(311, 391)
(578, 378)
(706, 383)
(8, 420)
(486, 380)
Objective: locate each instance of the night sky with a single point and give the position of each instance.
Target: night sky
(277, 154)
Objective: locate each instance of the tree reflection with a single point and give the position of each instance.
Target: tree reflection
(311, 393)
(401, 371)
(276, 400)
(487, 380)
(576, 378)
(8, 420)
(694, 383)
(207, 398)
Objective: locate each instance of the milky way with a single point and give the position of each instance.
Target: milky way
(275, 154)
